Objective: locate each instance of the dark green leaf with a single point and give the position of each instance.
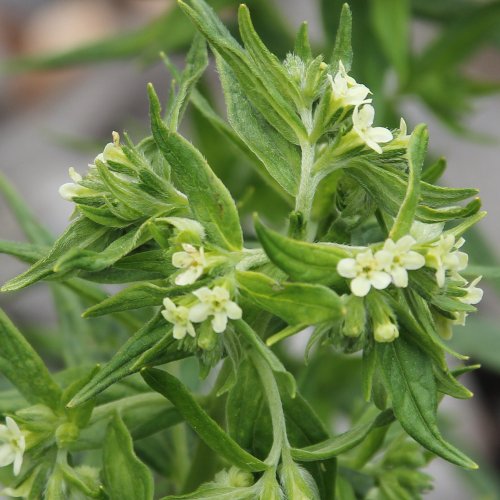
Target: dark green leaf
(296, 303)
(302, 261)
(208, 430)
(409, 379)
(342, 51)
(209, 199)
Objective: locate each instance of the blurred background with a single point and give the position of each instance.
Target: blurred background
(74, 70)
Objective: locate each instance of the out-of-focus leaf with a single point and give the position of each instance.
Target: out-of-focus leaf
(24, 368)
(391, 23)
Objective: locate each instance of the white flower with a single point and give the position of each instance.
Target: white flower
(216, 303)
(191, 259)
(398, 259)
(71, 190)
(13, 444)
(362, 121)
(179, 317)
(385, 332)
(365, 270)
(443, 256)
(346, 91)
(473, 296)
(403, 138)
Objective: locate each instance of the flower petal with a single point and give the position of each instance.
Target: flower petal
(360, 286)
(400, 277)
(219, 323)
(413, 261)
(199, 312)
(380, 280)
(347, 268)
(233, 310)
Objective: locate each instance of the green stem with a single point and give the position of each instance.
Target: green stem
(280, 439)
(307, 185)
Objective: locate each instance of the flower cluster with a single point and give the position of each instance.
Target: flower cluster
(211, 302)
(378, 270)
(346, 93)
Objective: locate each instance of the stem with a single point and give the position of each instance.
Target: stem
(280, 440)
(307, 186)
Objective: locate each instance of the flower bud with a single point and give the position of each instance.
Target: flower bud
(355, 316)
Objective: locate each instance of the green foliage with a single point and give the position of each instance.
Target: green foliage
(368, 262)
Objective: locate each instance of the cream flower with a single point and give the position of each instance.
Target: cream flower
(444, 256)
(346, 91)
(13, 445)
(73, 189)
(473, 296)
(191, 259)
(217, 303)
(385, 332)
(365, 270)
(362, 121)
(398, 259)
(179, 317)
(403, 138)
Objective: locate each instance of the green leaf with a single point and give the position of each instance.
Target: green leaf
(269, 66)
(196, 63)
(216, 491)
(280, 158)
(132, 297)
(410, 382)
(435, 171)
(276, 109)
(209, 199)
(242, 411)
(302, 261)
(25, 252)
(34, 231)
(125, 476)
(24, 368)
(487, 272)
(391, 23)
(302, 45)
(122, 363)
(417, 148)
(342, 50)
(448, 384)
(80, 233)
(208, 430)
(343, 442)
(296, 303)
(87, 260)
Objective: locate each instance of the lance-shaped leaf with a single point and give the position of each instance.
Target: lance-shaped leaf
(342, 50)
(296, 303)
(448, 384)
(270, 68)
(417, 148)
(25, 252)
(217, 492)
(302, 261)
(209, 199)
(81, 233)
(196, 63)
(133, 297)
(88, 260)
(122, 363)
(208, 430)
(30, 226)
(410, 382)
(24, 368)
(125, 476)
(343, 442)
(280, 158)
(279, 112)
(302, 46)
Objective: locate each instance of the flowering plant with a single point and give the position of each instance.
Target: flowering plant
(368, 263)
